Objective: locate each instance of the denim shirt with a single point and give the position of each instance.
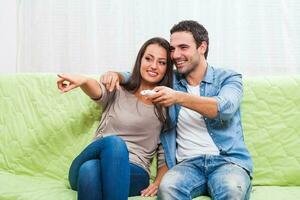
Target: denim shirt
(226, 128)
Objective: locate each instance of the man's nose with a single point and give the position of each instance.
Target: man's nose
(175, 54)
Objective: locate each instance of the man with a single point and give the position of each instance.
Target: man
(204, 149)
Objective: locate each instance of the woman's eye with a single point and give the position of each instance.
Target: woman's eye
(147, 58)
(162, 63)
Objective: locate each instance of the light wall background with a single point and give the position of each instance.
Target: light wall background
(255, 37)
(8, 36)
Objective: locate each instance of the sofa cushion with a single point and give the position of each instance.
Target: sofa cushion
(271, 122)
(41, 132)
(275, 192)
(33, 188)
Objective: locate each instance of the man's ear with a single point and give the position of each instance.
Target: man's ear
(202, 48)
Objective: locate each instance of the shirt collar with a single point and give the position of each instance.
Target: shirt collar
(209, 75)
(208, 78)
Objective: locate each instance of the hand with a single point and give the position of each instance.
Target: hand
(164, 96)
(151, 190)
(67, 82)
(110, 80)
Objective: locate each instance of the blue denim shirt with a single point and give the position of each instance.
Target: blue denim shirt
(226, 128)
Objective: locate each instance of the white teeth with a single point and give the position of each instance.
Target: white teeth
(152, 73)
(180, 62)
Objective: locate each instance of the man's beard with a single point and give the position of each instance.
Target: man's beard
(189, 69)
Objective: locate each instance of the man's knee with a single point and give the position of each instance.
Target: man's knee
(235, 185)
(170, 187)
(235, 191)
(164, 185)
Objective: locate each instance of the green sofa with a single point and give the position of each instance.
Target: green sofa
(41, 130)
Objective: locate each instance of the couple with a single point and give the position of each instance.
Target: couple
(195, 128)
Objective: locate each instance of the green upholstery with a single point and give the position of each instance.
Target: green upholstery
(42, 130)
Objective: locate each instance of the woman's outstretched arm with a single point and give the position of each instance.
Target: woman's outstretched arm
(89, 86)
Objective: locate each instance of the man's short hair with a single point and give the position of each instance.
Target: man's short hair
(198, 31)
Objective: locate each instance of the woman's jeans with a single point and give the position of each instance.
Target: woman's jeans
(102, 171)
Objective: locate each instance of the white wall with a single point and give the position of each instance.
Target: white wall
(253, 37)
(8, 36)
(92, 36)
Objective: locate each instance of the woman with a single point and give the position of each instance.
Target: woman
(117, 163)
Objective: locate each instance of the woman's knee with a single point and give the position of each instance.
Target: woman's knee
(88, 168)
(115, 145)
(85, 172)
(89, 180)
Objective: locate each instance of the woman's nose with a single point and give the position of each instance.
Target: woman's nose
(154, 65)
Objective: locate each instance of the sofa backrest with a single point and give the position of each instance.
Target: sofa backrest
(42, 130)
(271, 122)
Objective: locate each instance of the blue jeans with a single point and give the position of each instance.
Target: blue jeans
(205, 175)
(102, 171)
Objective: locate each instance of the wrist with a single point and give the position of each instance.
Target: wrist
(156, 183)
(178, 97)
(83, 80)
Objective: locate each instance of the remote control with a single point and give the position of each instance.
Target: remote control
(147, 92)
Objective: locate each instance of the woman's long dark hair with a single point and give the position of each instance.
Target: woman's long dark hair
(135, 80)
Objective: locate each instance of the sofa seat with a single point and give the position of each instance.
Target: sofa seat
(15, 187)
(275, 192)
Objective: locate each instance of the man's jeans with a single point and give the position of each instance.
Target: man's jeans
(205, 175)
(102, 171)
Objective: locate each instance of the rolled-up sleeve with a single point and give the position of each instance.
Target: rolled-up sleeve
(103, 100)
(229, 97)
(126, 76)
